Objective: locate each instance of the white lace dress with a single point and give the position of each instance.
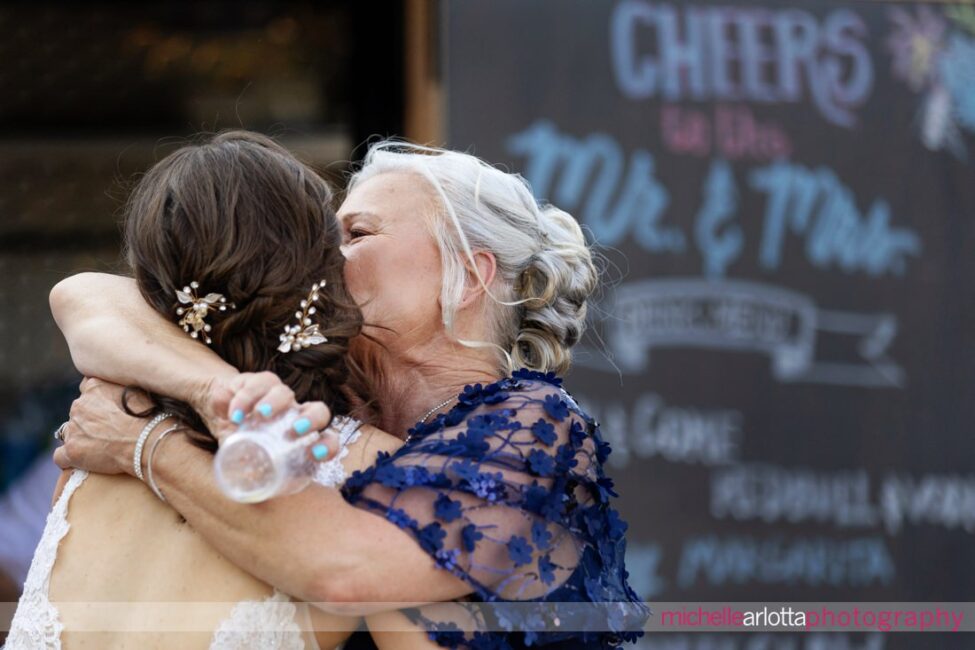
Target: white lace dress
(270, 624)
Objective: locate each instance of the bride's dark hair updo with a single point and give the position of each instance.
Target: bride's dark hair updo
(239, 215)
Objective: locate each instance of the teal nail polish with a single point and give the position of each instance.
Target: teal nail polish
(265, 409)
(237, 416)
(302, 425)
(319, 451)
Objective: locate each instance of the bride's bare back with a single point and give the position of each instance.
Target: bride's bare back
(127, 547)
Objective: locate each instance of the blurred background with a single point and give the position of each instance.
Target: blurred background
(782, 193)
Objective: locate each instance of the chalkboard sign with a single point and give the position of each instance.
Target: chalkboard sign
(785, 194)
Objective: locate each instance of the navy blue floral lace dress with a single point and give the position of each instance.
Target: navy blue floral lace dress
(507, 492)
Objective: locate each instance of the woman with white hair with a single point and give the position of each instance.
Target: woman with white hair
(473, 295)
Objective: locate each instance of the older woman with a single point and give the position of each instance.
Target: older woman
(474, 295)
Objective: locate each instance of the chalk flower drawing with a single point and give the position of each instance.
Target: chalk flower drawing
(939, 63)
(963, 16)
(958, 74)
(915, 44)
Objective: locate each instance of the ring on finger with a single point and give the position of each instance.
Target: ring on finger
(59, 433)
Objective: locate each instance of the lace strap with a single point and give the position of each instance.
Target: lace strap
(36, 623)
(57, 526)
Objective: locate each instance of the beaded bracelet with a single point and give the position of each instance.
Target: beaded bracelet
(152, 451)
(141, 442)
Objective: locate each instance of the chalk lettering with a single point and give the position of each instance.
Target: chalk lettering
(623, 196)
(813, 203)
(677, 52)
(794, 495)
(816, 561)
(651, 428)
(947, 501)
(643, 562)
(719, 249)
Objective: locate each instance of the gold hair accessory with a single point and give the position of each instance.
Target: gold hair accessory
(194, 317)
(305, 334)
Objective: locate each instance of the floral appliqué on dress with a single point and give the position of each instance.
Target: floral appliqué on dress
(507, 492)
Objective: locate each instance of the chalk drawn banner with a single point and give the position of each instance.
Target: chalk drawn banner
(749, 317)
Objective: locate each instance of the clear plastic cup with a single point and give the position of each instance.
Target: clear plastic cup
(263, 460)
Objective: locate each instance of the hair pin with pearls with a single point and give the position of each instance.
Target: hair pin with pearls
(193, 317)
(306, 332)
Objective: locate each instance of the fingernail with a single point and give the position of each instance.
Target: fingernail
(319, 451)
(237, 416)
(265, 409)
(302, 425)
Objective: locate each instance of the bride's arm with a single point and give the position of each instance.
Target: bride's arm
(113, 334)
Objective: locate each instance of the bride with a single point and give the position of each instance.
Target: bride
(230, 238)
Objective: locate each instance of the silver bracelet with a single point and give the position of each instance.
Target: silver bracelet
(141, 442)
(152, 451)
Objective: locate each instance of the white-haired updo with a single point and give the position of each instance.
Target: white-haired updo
(545, 272)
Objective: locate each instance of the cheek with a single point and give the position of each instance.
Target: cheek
(356, 275)
(407, 282)
(395, 285)
(416, 270)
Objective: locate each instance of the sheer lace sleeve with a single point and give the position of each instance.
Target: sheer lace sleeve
(506, 491)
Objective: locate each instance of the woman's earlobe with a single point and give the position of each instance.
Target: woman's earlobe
(480, 276)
